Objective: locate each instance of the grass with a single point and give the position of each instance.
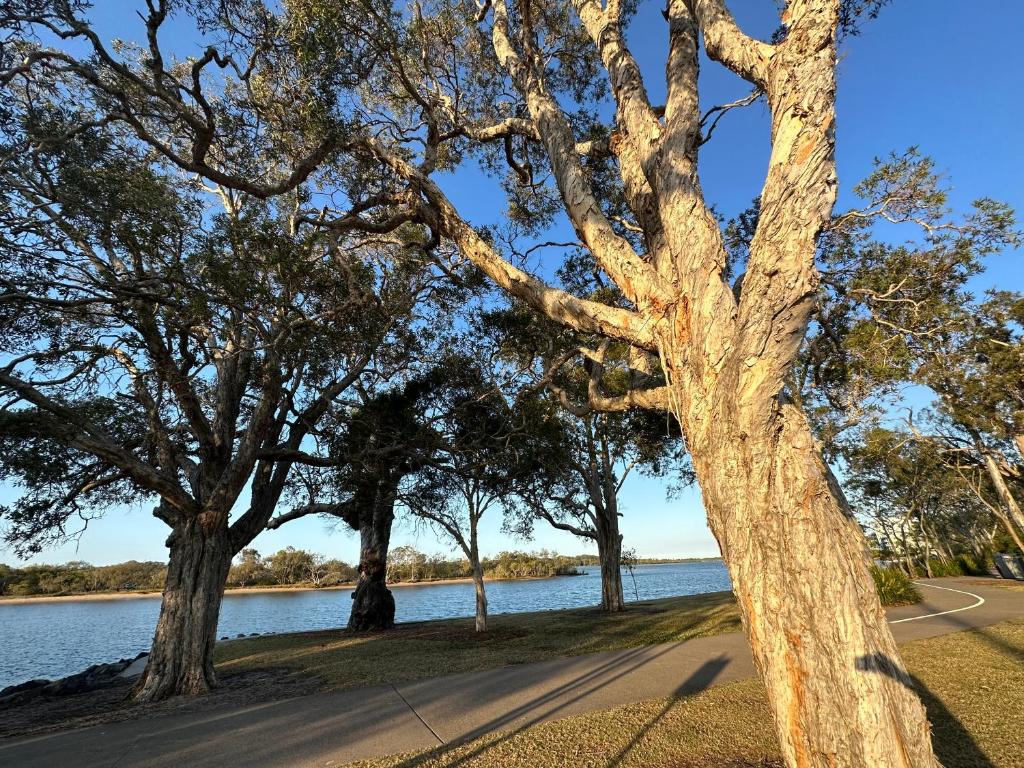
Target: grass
(339, 659)
(976, 708)
(426, 649)
(1014, 586)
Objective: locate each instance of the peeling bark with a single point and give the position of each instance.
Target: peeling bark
(181, 658)
(797, 557)
(799, 567)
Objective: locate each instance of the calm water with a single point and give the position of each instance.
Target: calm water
(54, 639)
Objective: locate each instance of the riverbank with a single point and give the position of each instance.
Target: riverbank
(142, 594)
(414, 650)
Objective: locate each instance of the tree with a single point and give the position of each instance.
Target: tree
(488, 449)
(916, 506)
(250, 570)
(406, 95)
(373, 447)
(290, 565)
(894, 313)
(406, 564)
(579, 492)
(155, 351)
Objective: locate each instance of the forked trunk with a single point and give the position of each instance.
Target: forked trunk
(799, 567)
(609, 552)
(373, 605)
(181, 659)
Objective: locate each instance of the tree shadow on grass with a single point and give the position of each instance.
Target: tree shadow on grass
(544, 707)
(954, 746)
(702, 678)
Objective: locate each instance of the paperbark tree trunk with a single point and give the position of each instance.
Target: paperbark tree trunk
(799, 567)
(798, 560)
(373, 605)
(926, 546)
(473, 553)
(1013, 510)
(481, 597)
(609, 552)
(181, 658)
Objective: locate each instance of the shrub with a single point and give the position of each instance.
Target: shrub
(939, 568)
(895, 587)
(970, 565)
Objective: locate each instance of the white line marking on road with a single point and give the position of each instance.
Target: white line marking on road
(981, 601)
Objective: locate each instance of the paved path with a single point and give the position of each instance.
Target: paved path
(331, 729)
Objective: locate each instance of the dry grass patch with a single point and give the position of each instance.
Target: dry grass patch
(1014, 586)
(972, 683)
(426, 649)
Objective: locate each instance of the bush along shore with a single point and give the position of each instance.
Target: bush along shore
(287, 568)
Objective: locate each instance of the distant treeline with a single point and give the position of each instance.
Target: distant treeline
(288, 567)
(78, 577)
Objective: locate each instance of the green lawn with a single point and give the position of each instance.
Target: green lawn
(972, 683)
(427, 649)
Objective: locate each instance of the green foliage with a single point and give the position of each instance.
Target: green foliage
(970, 566)
(895, 587)
(941, 568)
(523, 565)
(961, 565)
(287, 567)
(78, 577)
(406, 564)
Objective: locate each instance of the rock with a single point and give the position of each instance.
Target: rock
(22, 687)
(93, 678)
(136, 667)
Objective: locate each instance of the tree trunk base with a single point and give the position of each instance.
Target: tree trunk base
(181, 659)
(373, 607)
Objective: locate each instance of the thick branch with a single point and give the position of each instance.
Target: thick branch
(727, 44)
(637, 279)
(560, 306)
(71, 428)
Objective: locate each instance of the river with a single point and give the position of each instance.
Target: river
(54, 639)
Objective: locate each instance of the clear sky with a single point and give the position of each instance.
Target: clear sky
(942, 75)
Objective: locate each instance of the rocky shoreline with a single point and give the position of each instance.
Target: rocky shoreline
(93, 678)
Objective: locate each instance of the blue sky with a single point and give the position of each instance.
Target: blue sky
(933, 74)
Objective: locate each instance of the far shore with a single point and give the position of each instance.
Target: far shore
(86, 596)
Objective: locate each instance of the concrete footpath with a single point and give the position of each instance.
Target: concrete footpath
(331, 729)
